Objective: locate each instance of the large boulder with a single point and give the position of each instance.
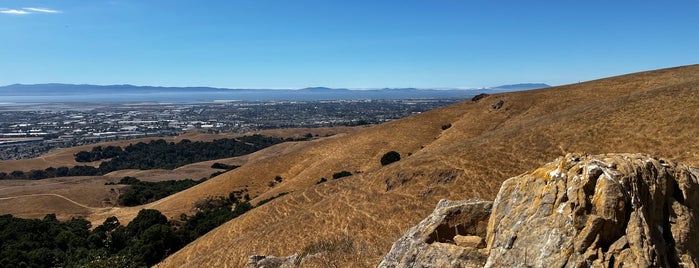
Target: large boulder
(606, 210)
(432, 242)
(610, 210)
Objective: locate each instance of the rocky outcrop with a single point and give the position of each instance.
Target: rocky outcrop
(432, 242)
(610, 210)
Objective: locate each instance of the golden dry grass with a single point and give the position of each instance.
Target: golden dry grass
(89, 197)
(650, 112)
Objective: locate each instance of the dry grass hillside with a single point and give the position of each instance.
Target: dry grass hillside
(87, 196)
(354, 220)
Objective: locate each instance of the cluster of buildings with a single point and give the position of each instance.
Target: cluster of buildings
(32, 131)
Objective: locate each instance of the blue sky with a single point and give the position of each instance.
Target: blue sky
(353, 44)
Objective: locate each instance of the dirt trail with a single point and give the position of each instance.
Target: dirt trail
(56, 195)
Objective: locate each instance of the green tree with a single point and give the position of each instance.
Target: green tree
(390, 157)
(144, 220)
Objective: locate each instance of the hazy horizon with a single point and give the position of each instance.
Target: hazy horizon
(358, 44)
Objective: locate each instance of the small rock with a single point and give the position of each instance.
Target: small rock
(498, 105)
(469, 241)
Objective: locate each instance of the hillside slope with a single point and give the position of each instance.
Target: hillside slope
(651, 112)
(87, 196)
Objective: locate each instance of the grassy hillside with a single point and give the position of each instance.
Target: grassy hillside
(85, 196)
(651, 112)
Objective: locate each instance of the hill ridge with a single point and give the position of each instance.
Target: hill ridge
(456, 152)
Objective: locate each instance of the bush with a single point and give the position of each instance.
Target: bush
(479, 97)
(218, 165)
(341, 174)
(390, 157)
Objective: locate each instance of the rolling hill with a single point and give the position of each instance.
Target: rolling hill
(69, 197)
(455, 152)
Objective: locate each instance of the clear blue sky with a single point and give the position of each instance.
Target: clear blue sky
(354, 44)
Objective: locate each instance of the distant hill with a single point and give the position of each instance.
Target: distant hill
(54, 88)
(129, 93)
(526, 86)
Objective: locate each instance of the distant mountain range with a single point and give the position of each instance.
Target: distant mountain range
(525, 86)
(116, 93)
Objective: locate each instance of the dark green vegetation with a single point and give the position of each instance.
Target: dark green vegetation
(51, 172)
(161, 154)
(145, 241)
(218, 165)
(264, 201)
(152, 155)
(98, 153)
(143, 192)
(341, 174)
(390, 157)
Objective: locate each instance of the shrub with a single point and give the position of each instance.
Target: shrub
(390, 157)
(341, 174)
(478, 97)
(218, 165)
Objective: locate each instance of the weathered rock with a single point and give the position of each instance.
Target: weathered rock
(611, 210)
(607, 210)
(469, 241)
(258, 261)
(431, 242)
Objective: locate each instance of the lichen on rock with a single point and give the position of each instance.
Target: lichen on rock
(606, 210)
(613, 210)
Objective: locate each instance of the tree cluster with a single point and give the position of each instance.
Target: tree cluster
(152, 155)
(98, 153)
(51, 172)
(145, 241)
(144, 192)
(161, 154)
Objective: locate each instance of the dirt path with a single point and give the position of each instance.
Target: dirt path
(56, 195)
